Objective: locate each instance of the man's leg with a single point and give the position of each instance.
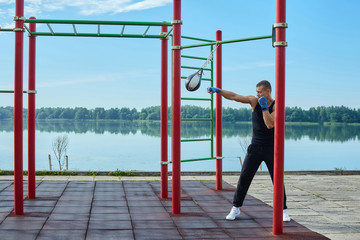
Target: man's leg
(269, 161)
(251, 164)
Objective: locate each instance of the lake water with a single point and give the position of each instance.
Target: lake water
(111, 145)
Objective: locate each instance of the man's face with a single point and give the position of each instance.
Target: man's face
(262, 92)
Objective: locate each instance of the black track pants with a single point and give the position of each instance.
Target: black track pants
(255, 155)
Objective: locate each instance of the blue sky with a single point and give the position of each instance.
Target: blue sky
(323, 57)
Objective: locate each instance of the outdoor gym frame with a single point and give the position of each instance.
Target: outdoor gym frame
(279, 43)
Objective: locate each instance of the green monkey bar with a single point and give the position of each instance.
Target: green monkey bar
(75, 32)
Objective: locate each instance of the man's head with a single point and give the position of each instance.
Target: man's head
(263, 88)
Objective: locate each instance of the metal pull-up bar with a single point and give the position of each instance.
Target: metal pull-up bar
(96, 22)
(226, 41)
(98, 33)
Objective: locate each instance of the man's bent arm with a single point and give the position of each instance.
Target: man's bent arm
(269, 119)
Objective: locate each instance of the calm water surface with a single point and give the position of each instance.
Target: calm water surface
(111, 145)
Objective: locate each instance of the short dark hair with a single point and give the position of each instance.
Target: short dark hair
(266, 84)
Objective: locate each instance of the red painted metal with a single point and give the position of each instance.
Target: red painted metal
(164, 115)
(219, 113)
(176, 120)
(279, 121)
(18, 111)
(31, 113)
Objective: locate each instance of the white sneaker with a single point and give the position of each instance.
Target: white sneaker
(235, 212)
(286, 217)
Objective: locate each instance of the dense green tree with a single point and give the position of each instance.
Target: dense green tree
(99, 113)
(292, 114)
(112, 113)
(6, 112)
(81, 113)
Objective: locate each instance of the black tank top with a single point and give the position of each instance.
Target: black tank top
(261, 134)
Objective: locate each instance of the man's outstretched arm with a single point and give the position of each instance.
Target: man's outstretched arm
(233, 96)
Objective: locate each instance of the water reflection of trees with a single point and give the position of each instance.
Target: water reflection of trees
(316, 132)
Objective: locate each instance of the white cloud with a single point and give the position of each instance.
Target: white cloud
(86, 7)
(8, 25)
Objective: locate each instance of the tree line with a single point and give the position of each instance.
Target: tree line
(339, 114)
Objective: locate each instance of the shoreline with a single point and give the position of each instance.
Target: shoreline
(185, 173)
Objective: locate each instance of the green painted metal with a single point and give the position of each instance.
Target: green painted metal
(203, 79)
(273, 36)
(211, 100)
(196, 68)
(97, 22)
(6, 29)
(195, 119)
(197, 159)
(198, 39)
(95, 35)
(212, 108)
(9, 91)
(197, 99)
(227, 41)
(196, 140)
(193, 57)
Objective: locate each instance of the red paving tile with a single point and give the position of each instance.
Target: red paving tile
(96, 234)
(61, 234)
(134, 210)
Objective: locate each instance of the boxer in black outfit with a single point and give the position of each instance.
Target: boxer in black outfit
(262, 143)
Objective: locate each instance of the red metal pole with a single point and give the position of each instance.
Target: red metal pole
(219, 113)
(18, 109)
(176, 144)
(164, 115)
(279, 120)
(31, 113)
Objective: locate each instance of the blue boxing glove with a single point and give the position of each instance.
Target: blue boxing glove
(213, 90)
(263, 104)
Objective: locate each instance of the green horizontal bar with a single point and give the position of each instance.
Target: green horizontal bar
(196, 68)
(9, 91)
(199, 39)
(196, 140)
(96, 35)
(6, 29)
(203, 79)
(196, 159)
(227, 41)
(197, 99)
(193, 57)
(59, 21)
(196, 119)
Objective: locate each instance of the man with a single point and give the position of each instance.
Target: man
(262, 143)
